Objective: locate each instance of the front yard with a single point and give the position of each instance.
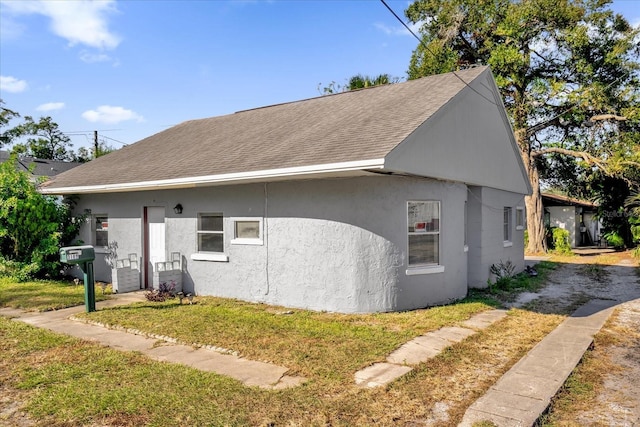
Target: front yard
(62, 381)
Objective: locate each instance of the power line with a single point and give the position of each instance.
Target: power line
(115, 140)
(433, 54)
(89, 133)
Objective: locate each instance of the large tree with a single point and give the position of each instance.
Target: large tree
(44, 140)
(558, 64)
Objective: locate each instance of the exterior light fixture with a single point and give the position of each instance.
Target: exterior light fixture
(178, 209)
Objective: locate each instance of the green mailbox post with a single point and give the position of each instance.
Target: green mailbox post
(84, 257)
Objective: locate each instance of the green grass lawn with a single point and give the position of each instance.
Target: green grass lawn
(62, 381)
(312, 344)
(44, 295)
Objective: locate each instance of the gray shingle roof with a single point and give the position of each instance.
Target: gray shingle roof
(39, 167)
(345, 127)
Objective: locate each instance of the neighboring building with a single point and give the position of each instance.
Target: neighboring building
(574, 215)
(39, 167)
(388, 198)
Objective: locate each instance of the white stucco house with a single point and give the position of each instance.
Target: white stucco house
(389, 198)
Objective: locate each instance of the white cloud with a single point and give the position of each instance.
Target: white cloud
(80, 21)
(109, 114)
(50, 106)
(13, 85)
(89, 57)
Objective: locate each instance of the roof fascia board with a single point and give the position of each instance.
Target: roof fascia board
(191, 182)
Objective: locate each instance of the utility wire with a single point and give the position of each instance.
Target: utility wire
(429, 50)
(115, 140)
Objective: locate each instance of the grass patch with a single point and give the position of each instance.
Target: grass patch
(44, 295)
(313, 344)
(510, 287)
(64, 381)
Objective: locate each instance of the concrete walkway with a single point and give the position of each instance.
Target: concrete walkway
(423, 348)
(524, 393)
(249, 372)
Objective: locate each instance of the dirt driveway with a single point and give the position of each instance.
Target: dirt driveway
(577, 280)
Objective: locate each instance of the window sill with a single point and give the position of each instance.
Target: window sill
(254, 242)
(414, 271)
(519, 227)
(210, 257)
(507, 244)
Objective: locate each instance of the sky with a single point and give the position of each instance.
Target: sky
(132, 68)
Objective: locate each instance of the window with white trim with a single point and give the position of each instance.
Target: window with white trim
(423, 220)
(247, 231)
(507, 224)
(519, 218)
(101, 230)
(210, 232)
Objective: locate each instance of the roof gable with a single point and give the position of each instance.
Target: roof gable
(469, 139)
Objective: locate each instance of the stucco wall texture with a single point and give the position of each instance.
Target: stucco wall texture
(331, 244)
(485, 213)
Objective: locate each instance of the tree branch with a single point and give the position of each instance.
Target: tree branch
(588, 158)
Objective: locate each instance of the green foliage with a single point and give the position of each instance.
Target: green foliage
(32, 226)
(560, 241)
(614, 239)
(612, 194)
(358, 81)
(83, 155)
(6, 136)
(503, 272)
(46, 140)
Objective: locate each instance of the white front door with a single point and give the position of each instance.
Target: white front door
(154, 240)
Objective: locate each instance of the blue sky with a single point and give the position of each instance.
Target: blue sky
(130, 69)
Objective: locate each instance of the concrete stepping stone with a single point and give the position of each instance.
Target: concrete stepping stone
(380, 374)
(484, 319)
(423, 348)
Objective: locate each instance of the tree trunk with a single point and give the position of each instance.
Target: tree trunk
(533, 203)
(535, 215)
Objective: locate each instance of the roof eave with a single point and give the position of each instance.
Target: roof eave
(299, 172)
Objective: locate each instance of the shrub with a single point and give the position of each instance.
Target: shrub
(504, 273)
(560, 240)
(32, 226)
(614, 239)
